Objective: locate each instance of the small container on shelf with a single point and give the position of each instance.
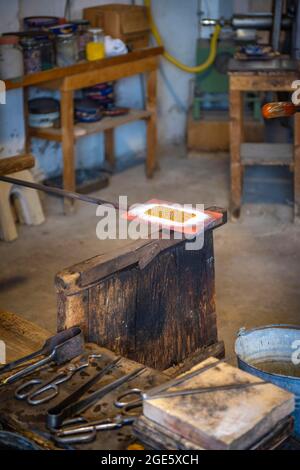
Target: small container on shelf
(95, 48)
(66, 50)
(47, 52)
(43, 112)
(86, 110)
(11, 58)
(37, 23)
(82, 34)
(31, 55)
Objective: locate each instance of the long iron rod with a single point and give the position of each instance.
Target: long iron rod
(58, 192)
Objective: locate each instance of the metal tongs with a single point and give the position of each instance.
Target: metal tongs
(59, 349)
(37, 392)
(69, 430)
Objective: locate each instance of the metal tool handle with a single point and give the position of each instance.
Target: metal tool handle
(87, 432)
(44, 393)
(27, 370)
(24, 390)
(61, 438)
(69, 406)
(19, 362)
(128, 405)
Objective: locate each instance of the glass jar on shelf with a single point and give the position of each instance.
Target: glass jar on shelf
(47, 52)
(95, 48)
(66, 50)
(82, 34)
(31, 55)
(11, 58)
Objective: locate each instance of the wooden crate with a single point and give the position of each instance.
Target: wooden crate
(211, 134)
(152, 301)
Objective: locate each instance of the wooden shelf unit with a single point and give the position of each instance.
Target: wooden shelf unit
(87, 74)
(244, 154)
(85, 129)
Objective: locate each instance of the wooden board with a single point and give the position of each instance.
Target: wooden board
(57, 74)
(152, 301)
(260, 81)
(82, 129)
(267, 154)
(232, 419)
(157, 437)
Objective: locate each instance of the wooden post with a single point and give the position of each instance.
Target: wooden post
(236, 125)
(151, 123)
(297, 168)
(109, 143)
(26, 124)
(67, 125)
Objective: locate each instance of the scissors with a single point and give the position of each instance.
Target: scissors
(35, 391)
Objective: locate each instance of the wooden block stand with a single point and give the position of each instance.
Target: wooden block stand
(152, 301)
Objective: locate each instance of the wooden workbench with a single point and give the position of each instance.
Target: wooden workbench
(87, 74)
(23, 337)
(243, 154)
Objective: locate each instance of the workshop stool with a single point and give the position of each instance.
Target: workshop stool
(28, 206)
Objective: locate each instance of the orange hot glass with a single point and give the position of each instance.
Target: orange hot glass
(279, 109)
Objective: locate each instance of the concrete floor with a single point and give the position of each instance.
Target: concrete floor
(257, 258)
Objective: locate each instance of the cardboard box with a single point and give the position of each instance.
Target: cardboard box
(130, 23)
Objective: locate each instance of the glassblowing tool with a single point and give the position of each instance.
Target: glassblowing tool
(160, 214)
(69, 407)
(87, 431)
(162, 391)
(32, 389)
(59, 349)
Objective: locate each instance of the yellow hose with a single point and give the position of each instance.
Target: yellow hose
(199, 68)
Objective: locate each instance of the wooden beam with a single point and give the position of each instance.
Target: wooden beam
(108, 73)
(151, 106)
(14, 164)
(109, 143)
(262, 82)
(82, 67)
(236, 124)
(67, 125)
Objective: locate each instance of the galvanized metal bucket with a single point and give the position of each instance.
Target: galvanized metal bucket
(271, 344)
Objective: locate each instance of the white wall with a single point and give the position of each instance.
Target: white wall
(178, 23)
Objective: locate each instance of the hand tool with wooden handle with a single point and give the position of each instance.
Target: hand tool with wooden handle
(24, 162)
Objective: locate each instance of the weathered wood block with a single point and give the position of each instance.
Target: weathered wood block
(153, 302)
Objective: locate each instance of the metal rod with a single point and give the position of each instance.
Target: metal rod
(59, 192)
(277, 14)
